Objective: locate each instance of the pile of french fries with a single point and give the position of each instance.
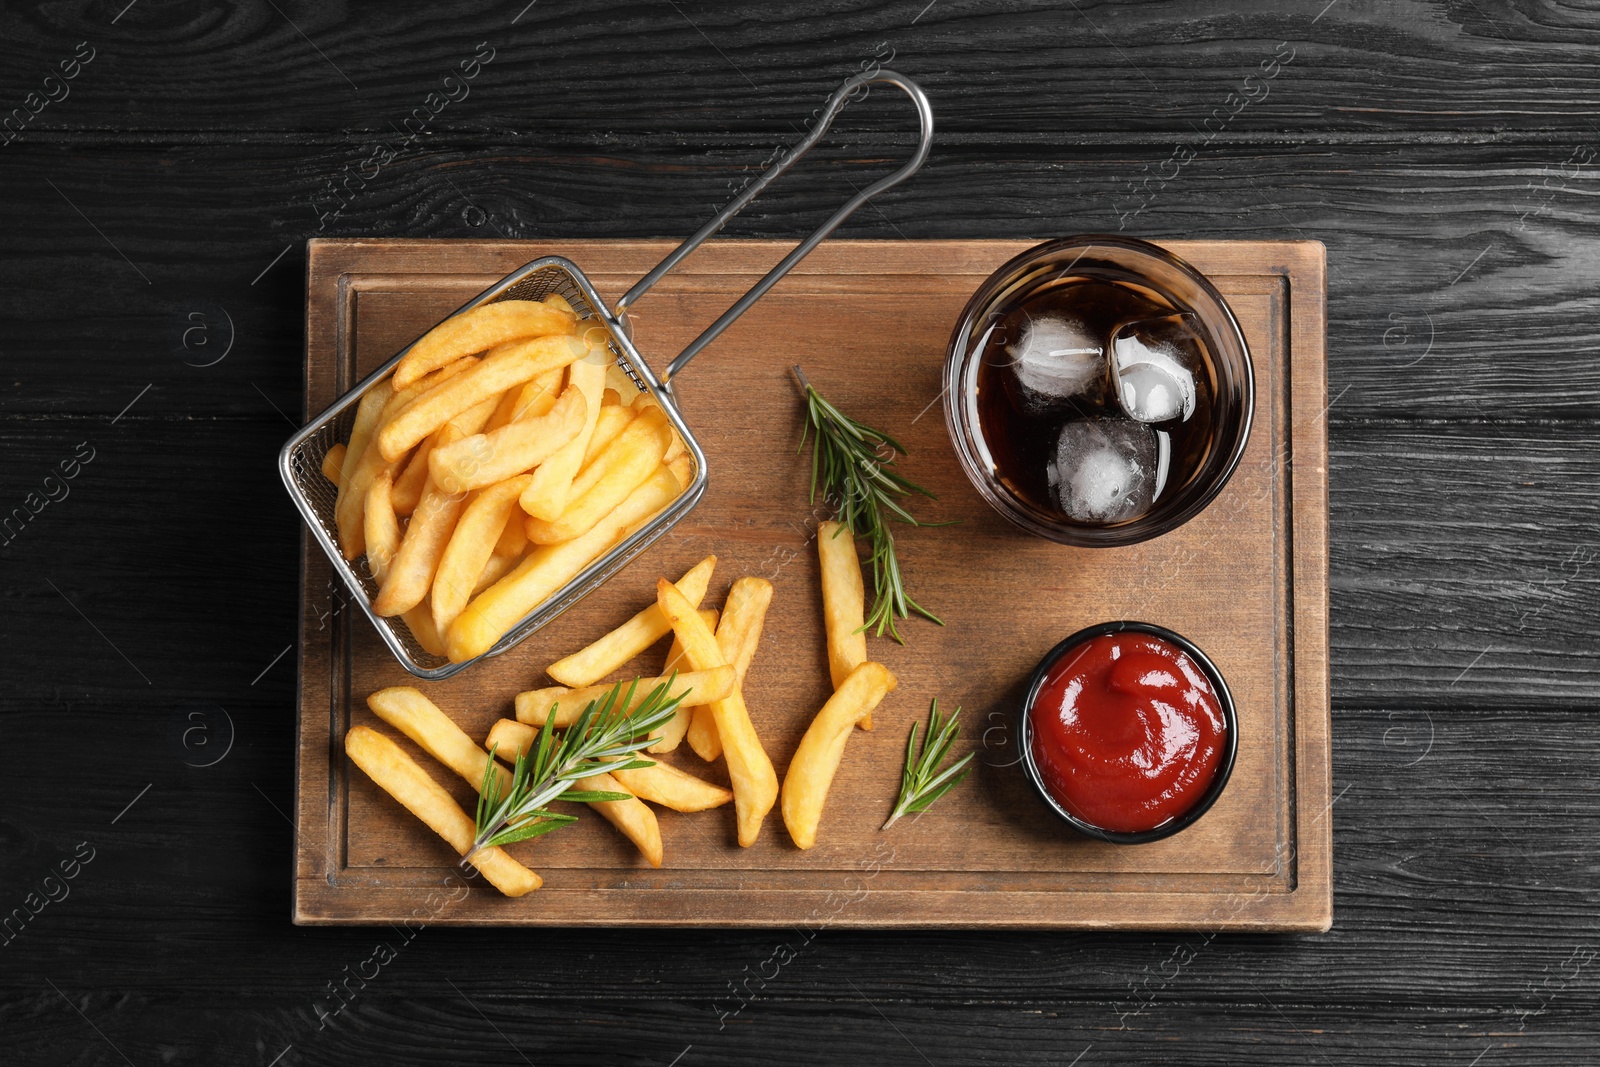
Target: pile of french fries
(707, 663)
(505, 454)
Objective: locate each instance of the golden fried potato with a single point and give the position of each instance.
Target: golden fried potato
(399, 775)
(545, 570)
(506, 366)
(471, 545)
(816, 761)
(484, 459)
(536, 705)
(755, 783)
(412, 568)
(478, 330)
(738, 634)
(547, 495)
(671, 733)
(609, 653)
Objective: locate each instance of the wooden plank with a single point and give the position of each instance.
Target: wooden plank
(1252, 574)
(1021, 68)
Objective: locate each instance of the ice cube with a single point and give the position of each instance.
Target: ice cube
(1156, 361)
(1104, 470)
(1057, 366)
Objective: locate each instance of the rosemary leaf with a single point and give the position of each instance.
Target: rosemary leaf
(854, 465)
(922, 782)
(547, 771)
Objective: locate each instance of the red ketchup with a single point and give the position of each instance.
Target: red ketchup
(1127, 732)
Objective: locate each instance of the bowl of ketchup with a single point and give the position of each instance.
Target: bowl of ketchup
(1128, 732)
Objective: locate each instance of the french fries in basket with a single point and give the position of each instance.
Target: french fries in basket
(333, 462)
(479, 329)
(546, 495)
(471, 545)
(487, 458)
(511, 364)
(546, 569)
(399, 775)
(816, 761)
(616, 472)
(755, 783)
(515, 391)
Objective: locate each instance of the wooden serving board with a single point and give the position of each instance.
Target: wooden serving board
(1246, 580)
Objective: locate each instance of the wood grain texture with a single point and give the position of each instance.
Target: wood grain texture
(1032, 69)
(1247, 581)
(1408, 137)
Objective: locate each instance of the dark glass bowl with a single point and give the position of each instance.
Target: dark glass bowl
(1230, 746)
(1116, 259)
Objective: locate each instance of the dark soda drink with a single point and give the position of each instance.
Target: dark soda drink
(1094, 397)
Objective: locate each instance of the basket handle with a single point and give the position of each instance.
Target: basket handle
(830, 110)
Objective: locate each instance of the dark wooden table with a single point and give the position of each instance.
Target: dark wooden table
(155, 213)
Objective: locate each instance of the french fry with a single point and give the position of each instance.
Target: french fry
(677, 448)
(617, 381)
(755, 783)
(552, 482)
(510, 364)
(407, 491)
(484, 459)
(616, 472)
(666, 785)
(682, 468)
(497, 567)
(333, 463)
(671, 733)
(535, 705)
(611, 421)
(513, 539)
(844, 603)
(509, 739)
(816, 761)
(632, 816)
(412, 568)
(527, 401)
(482, 328)
(556, 300)
(662, 784)
(588, 665)
(368, 408)
(545, 570)
(419, 620)
(504, 409)
(399, 775)
(361, 464)
(381, 527)
(413, 714)
(472, 544)
(738, 634)
(408, 487)
(350, 508)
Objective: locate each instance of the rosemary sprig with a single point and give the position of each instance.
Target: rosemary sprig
(854, 464)
(546, 772)
(922, 783)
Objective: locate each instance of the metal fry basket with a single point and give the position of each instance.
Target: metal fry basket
(300, 461)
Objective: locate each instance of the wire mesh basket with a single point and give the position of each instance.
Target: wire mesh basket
(300, 461)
